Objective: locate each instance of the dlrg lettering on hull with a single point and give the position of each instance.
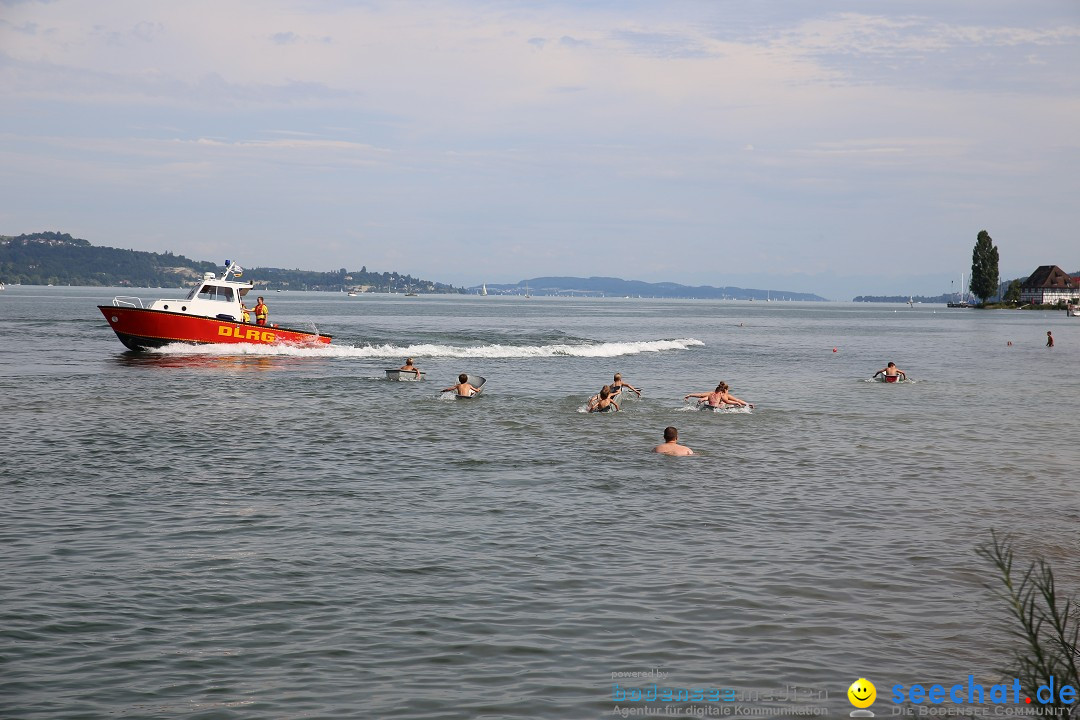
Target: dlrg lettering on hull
(247, 333)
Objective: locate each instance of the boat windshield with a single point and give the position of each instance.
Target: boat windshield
(215, 292)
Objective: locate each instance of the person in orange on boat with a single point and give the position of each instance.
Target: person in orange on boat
(261, 311)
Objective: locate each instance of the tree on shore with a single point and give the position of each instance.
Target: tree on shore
(984, 267)
(1013, 293)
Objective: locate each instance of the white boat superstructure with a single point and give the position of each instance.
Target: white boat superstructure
(220, 298)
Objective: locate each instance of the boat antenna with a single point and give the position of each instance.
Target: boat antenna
(231, 267)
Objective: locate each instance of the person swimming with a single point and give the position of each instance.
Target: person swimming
(712, 399)
(891, 373)
(603, 402)
(617, 385)
(463, 388)
(671, 445)
(718, 398)
(409, 367)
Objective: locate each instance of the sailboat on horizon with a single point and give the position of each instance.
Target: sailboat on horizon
(527, 295)
(483, 289)
(962, 302)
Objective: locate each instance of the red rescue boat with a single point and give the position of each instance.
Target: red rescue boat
(213, 312)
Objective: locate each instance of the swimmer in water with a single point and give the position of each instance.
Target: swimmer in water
(729, 399)
(718, 397)
(712, 399)
(463, 388)
(891, 371)
(671, 445)
(409, 367)
(617, 385)
(603, 402)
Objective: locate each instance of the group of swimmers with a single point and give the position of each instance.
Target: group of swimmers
(463, 387)
(604, 401)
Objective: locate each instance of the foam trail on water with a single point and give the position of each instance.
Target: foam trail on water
(604, 349)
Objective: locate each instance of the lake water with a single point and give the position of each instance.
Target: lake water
(282, 533)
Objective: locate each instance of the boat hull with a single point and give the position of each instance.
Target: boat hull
(142, 328)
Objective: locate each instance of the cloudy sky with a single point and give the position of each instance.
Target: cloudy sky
(831, 146)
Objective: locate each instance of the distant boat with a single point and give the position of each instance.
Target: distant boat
(352, 294)
(962, 302)
(911, 301)
(527, 295)
(483, 290)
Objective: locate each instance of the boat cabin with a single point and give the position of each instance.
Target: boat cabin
(221, 298)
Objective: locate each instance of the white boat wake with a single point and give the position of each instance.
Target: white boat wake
(598, 350)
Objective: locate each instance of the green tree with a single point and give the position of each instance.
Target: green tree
(984, 267)
(1013, 293)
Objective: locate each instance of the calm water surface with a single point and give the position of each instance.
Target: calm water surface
(282, 533)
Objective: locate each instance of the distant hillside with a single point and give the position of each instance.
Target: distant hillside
(939, 299)
(616, 287)
(52, 258)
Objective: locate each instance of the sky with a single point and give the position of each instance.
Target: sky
(840, 147)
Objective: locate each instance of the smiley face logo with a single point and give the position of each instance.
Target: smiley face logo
(862, 693)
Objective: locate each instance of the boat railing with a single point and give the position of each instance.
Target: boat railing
(127, 301)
